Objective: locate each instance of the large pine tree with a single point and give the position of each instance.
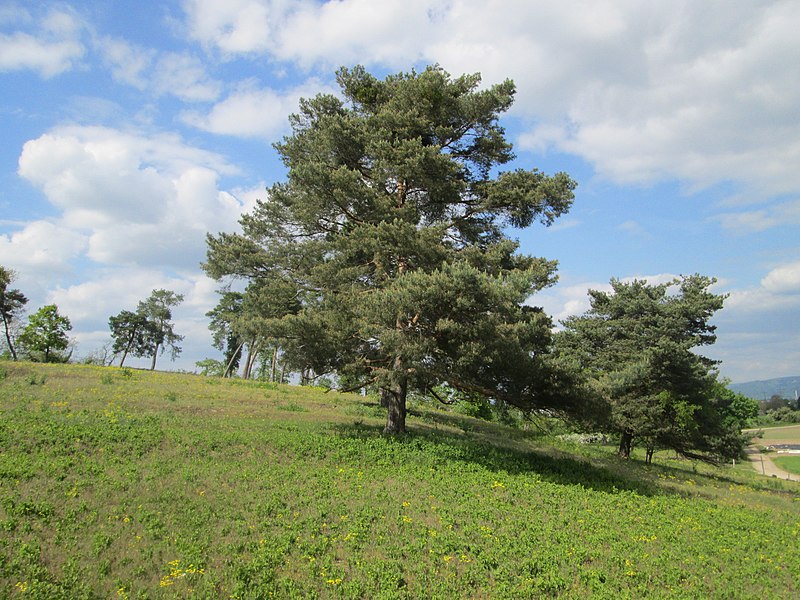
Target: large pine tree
(391, 227)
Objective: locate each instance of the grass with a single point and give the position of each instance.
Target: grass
(788, 463)
(788, 434)
(155, 485)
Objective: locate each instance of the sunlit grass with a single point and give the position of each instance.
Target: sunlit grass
(789, 463)
(122, 483)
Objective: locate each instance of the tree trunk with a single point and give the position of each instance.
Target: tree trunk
(393, 399)
(155, 356)
(274, 372)
(625, 443)
(237, 354)
(8, 339)
(648, 457)
(124, 355)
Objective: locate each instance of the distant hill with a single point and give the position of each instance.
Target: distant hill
(761, 390)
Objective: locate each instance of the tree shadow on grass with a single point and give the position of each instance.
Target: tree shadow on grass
(500, 448)
(488, 452)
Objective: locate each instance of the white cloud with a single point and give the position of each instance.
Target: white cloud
(784, 279)
(129, 64)
(185, 77)
(781, 214)
(645, 92)
(51, 49)
(236, 26)
(178, 74)
(92, 302)
(140, 199)
(41, 246)
(252, 112)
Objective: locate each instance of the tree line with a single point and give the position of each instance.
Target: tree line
(146, 332)
(385, 262)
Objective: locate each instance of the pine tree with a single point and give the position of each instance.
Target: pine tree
(391, 229)
(638, 344)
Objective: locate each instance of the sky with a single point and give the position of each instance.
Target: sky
(129, 130)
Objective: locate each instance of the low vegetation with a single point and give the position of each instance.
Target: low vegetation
(116, 483)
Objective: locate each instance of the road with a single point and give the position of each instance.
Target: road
(763, 464)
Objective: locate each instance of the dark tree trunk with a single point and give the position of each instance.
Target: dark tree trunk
(393, 399)
(625, 444)
(648, 457)
(395, 405)
(8, 339)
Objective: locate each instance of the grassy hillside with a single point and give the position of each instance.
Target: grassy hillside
(128, 484)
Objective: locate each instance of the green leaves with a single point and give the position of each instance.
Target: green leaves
(45, 336)
(640, 341)
(148, 330)
(390, 228)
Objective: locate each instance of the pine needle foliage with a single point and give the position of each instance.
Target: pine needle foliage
(391, 227)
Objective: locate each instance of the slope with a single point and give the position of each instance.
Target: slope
(129, 484)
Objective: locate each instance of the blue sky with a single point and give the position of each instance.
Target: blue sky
(130, 132)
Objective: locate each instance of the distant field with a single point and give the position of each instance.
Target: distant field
(130, 484)
(789, 434)
(788, 463)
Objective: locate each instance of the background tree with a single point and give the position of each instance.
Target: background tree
(224, 317)
(160, 332)
(637, 344)
(12, 301)
(131, 333)
(45, 336)
(390, 230)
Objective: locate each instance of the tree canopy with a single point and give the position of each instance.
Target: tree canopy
(131, 334)
(148, 331)
(390, 235)
(45, 336)
(637, 345)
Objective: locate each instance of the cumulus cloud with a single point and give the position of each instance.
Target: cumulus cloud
(236, 26)
(784, 279)
(252, 112)
(645, 92)
(91, 303)
(49, 45)
(41, 246)
(136, 199)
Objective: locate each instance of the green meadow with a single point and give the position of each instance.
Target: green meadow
(789, 463)
(117, 483)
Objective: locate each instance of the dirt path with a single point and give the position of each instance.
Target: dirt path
(764, 465)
